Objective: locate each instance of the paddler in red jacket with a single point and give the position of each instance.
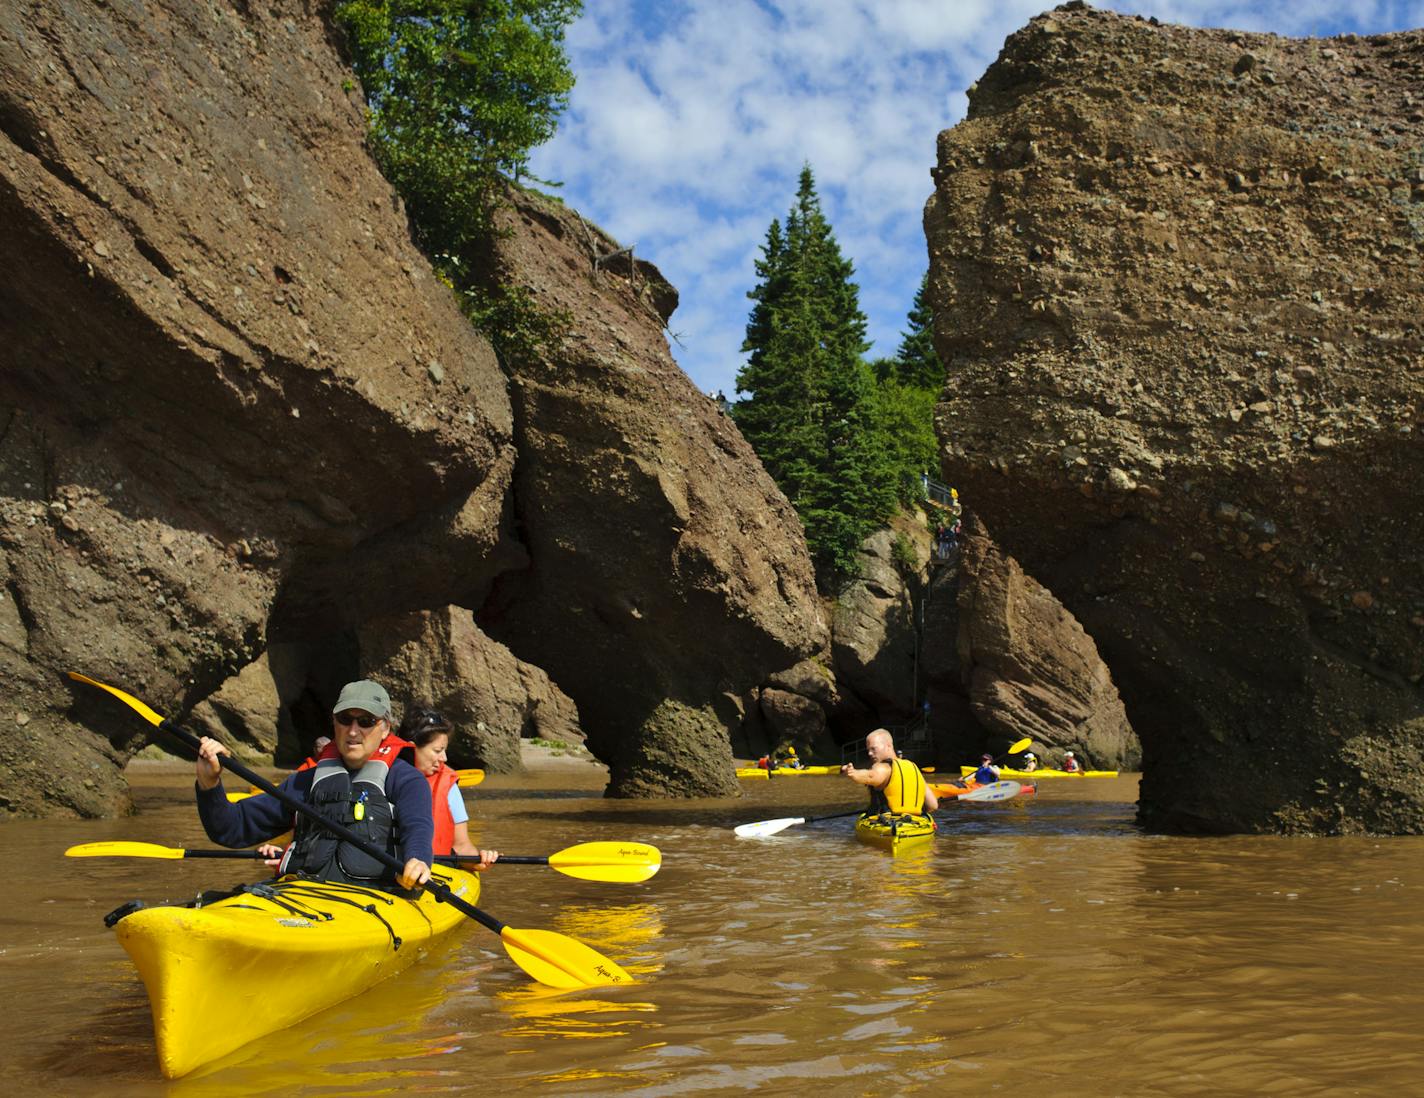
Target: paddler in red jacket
(430, 733)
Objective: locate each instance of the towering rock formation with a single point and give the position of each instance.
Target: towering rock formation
(1178, 286)
(667, 574)
(228, 376)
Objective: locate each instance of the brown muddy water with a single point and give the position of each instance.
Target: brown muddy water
(1042, 945)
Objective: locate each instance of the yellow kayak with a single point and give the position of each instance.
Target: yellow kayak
(785, 771)
(224, 974)
(1034, 775)
(895, 833)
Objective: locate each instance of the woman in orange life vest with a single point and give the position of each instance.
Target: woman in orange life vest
(430, 733)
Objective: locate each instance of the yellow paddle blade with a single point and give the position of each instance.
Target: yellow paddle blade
(1022, 745)
(616, 863)
(559, 961)
(466, 778)
(123, 850)
(235, 797)
(133, 703)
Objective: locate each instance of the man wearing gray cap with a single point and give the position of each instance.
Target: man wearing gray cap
(358, 781)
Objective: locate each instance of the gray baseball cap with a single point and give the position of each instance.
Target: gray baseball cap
(365, 695)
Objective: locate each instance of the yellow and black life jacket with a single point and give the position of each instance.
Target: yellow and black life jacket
(903, 794)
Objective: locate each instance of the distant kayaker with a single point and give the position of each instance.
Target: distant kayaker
(1029, 763)
(1070, 764)
(896, 785)
(358, 781)
(430, 733)
(987, 771)
(791, 762)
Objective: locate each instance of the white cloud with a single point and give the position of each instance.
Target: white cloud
(690, 121)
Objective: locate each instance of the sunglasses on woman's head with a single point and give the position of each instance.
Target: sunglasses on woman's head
(365, 720)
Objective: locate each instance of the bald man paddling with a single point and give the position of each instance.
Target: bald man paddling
(896, 785)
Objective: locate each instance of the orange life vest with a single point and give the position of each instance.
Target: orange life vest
(440, 784)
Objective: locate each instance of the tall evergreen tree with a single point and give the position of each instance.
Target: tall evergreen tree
(809, 408)
(917, 363)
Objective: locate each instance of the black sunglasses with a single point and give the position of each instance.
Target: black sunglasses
(365, 720)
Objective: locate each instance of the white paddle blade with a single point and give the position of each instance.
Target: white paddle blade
(994, 791)
(762, 828)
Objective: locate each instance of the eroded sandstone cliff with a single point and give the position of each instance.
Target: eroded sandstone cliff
(667, 574)
(227, 371)
(1177, 282)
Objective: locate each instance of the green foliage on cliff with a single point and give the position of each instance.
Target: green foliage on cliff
(844, 441)
(458, 92)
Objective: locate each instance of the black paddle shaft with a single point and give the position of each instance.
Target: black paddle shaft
(837, 816)
(439, 888)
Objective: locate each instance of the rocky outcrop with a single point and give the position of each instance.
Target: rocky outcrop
(874, 634)
(1030, 669)
(1177, 282)
(1003, 660)
(493, 700)
(665, 568)
(243, 713)
(678, 751)
(792, 720)
(207, 431)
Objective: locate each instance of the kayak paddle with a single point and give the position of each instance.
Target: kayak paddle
(1022, 745)
(548, 956)
(466, 778)
(762, 828)
(151, 850)
(994, 791)
(614, 863)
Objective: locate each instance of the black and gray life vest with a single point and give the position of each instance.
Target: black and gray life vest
(359, 802)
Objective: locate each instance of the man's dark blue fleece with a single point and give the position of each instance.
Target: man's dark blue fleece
(260, 818)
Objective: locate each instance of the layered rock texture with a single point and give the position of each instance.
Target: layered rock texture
(666, 574)
(441, 658)
(1178, 286)
(1026, 667)
(874, 634)
(207, 426)
(238, 412)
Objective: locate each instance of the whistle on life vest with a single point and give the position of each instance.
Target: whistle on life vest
(359, 811)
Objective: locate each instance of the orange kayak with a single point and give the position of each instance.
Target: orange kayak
(945, 791)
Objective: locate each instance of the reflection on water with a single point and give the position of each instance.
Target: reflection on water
(627, 935)
(1041, 945)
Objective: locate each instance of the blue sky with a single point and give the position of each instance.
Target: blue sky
(691, 119)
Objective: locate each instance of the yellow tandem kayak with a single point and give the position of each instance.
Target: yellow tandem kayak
(895, 833)
(1034, 775)
(227, 973)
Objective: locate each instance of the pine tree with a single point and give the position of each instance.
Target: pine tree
(917, 363)
(810, 404)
